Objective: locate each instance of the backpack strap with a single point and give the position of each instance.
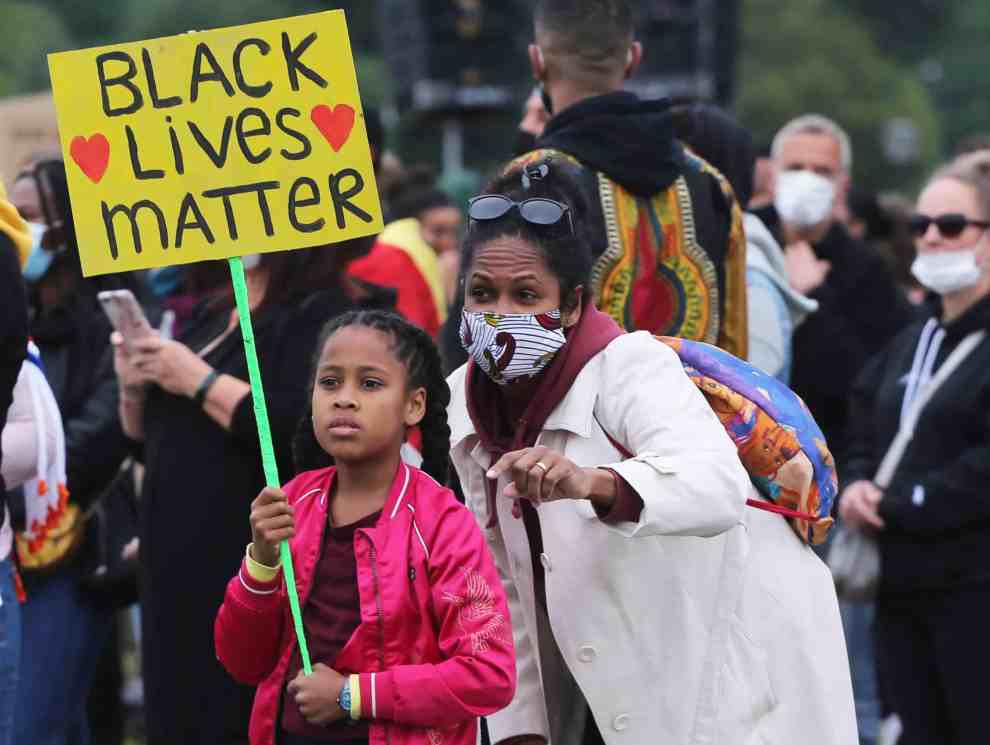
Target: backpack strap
(758, 504)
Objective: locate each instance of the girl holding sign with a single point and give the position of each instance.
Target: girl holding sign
(406, 619)
(189, 402)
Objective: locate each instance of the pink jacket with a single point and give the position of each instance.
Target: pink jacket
(434, 648)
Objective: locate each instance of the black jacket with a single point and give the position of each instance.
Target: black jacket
(75, 349)
(860, 308)
(937, 507)
(13, 335)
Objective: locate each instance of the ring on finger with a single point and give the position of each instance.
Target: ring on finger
(544, 466)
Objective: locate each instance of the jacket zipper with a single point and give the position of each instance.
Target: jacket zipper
(381, 620)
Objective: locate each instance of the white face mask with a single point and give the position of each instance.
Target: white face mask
(512, 346)
(803, 198)
(946, 272)
(251, 261)
(39, 259)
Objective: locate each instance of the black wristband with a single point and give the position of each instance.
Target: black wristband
(200, 395)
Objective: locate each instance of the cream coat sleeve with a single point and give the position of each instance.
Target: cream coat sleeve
(685, 468)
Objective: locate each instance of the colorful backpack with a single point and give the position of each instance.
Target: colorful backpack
(779, 442)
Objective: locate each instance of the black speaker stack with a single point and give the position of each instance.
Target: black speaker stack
(457, 57)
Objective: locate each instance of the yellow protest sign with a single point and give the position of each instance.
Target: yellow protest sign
(215, 144)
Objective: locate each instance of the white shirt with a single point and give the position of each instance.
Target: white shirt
(20, 448)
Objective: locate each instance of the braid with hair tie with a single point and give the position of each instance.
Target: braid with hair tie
(416, 350)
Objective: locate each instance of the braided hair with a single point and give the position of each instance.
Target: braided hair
(416, 350)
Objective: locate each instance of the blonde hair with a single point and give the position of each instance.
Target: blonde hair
(973, 170)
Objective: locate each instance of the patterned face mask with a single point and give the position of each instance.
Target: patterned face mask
(512, 346)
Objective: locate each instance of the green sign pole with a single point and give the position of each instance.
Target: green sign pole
(265, 439)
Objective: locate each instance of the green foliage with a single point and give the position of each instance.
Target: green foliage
(905, 29)
(153, 18)
(57, 25)
(91, 23)
(810, 56)
(963, 92)
(23, 67)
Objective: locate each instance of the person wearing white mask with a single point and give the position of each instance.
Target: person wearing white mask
(932, 521)
(860, 305)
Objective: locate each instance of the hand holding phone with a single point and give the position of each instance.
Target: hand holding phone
(126, 315)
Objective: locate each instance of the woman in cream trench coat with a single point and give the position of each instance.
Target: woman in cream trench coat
(704, 622)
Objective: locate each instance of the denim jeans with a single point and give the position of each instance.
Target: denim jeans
(10, 650)
(61, 641)
(857, 623)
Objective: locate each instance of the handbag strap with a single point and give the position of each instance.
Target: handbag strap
(892, 458)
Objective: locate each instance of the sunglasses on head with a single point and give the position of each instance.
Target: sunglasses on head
(949, 225)
(535, 211)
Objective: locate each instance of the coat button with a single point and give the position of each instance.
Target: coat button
(620, 723)
(587, 653)
(545, 560)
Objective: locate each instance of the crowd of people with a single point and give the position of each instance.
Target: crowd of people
(509, 505)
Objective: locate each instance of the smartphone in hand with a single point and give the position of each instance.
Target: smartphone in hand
(126, 315)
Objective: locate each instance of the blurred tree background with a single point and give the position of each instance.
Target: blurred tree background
(831, 58)
(906, 79)
(57, 25)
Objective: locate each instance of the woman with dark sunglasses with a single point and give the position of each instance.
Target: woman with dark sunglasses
(922, 426)
(643, 595)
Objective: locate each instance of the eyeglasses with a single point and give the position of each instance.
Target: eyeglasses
(535, 211)
(950, 225)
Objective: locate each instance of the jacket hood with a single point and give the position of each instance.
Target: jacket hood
(765, 255)
(722, 141)
(629, 140)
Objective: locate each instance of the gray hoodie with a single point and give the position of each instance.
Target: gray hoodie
(775, 309)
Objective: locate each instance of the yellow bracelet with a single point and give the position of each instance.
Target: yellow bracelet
(257, 571)
(355, 683)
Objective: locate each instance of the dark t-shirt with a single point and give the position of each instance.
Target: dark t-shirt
(331, 615)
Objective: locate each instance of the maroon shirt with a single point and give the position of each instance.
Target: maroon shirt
(331, 615)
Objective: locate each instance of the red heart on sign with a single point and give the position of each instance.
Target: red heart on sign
(91, 155)
(335, 124)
